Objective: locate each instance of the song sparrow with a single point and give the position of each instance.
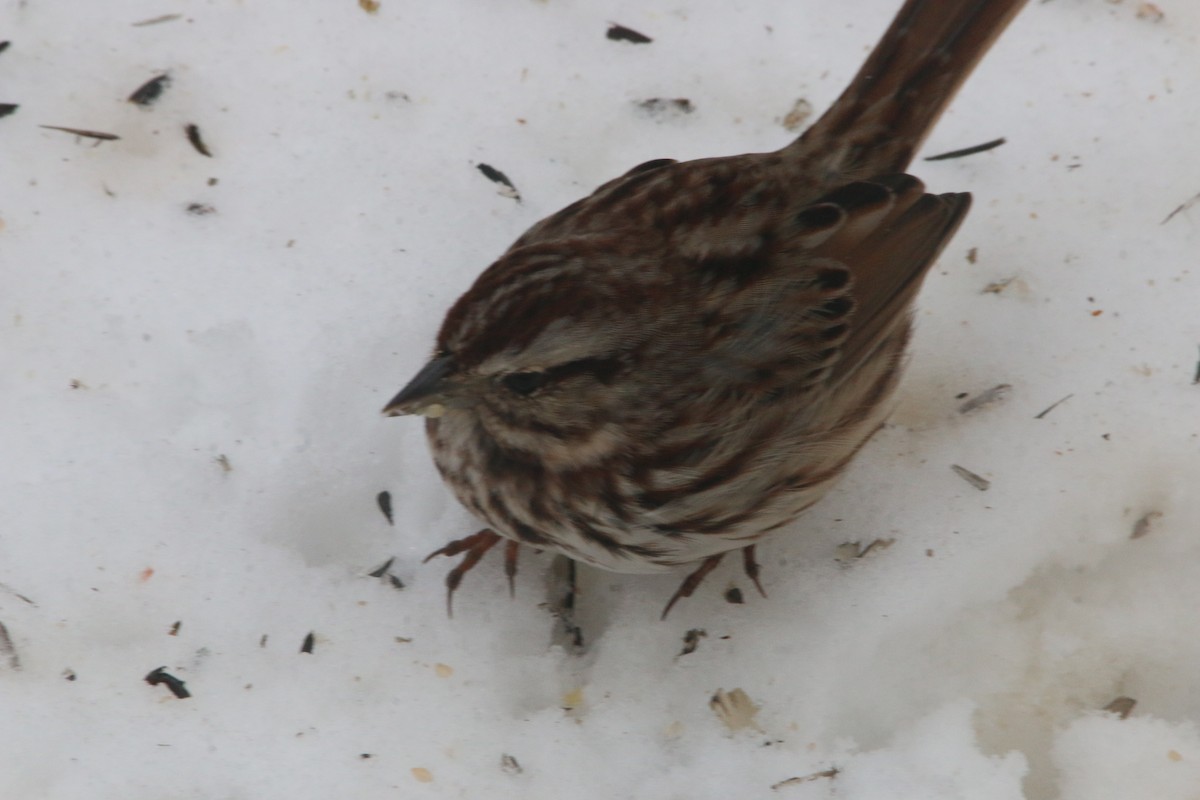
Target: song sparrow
(688, 358)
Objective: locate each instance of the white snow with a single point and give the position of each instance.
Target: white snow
(191, 431)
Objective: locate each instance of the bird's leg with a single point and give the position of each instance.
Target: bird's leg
(750, 567)
(692, 581)
(474, 547)
(511, 551)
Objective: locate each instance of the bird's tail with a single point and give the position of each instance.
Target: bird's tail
(886, 112)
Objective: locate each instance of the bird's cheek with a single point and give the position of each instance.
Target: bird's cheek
(596, 446)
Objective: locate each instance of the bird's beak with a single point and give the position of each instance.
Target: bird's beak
(424, 394)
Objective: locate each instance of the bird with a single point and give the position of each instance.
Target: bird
(684, 361)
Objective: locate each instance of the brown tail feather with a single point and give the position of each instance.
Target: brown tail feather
(885, 113)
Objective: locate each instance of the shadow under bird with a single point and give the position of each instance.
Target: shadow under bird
(685, 360)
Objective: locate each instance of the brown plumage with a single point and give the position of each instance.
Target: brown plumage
(688, 358)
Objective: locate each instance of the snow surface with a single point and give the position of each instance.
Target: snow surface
(192, 434)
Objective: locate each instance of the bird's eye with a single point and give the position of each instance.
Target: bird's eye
(524, 383)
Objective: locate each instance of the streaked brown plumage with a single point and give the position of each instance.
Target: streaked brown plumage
(688, 358)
